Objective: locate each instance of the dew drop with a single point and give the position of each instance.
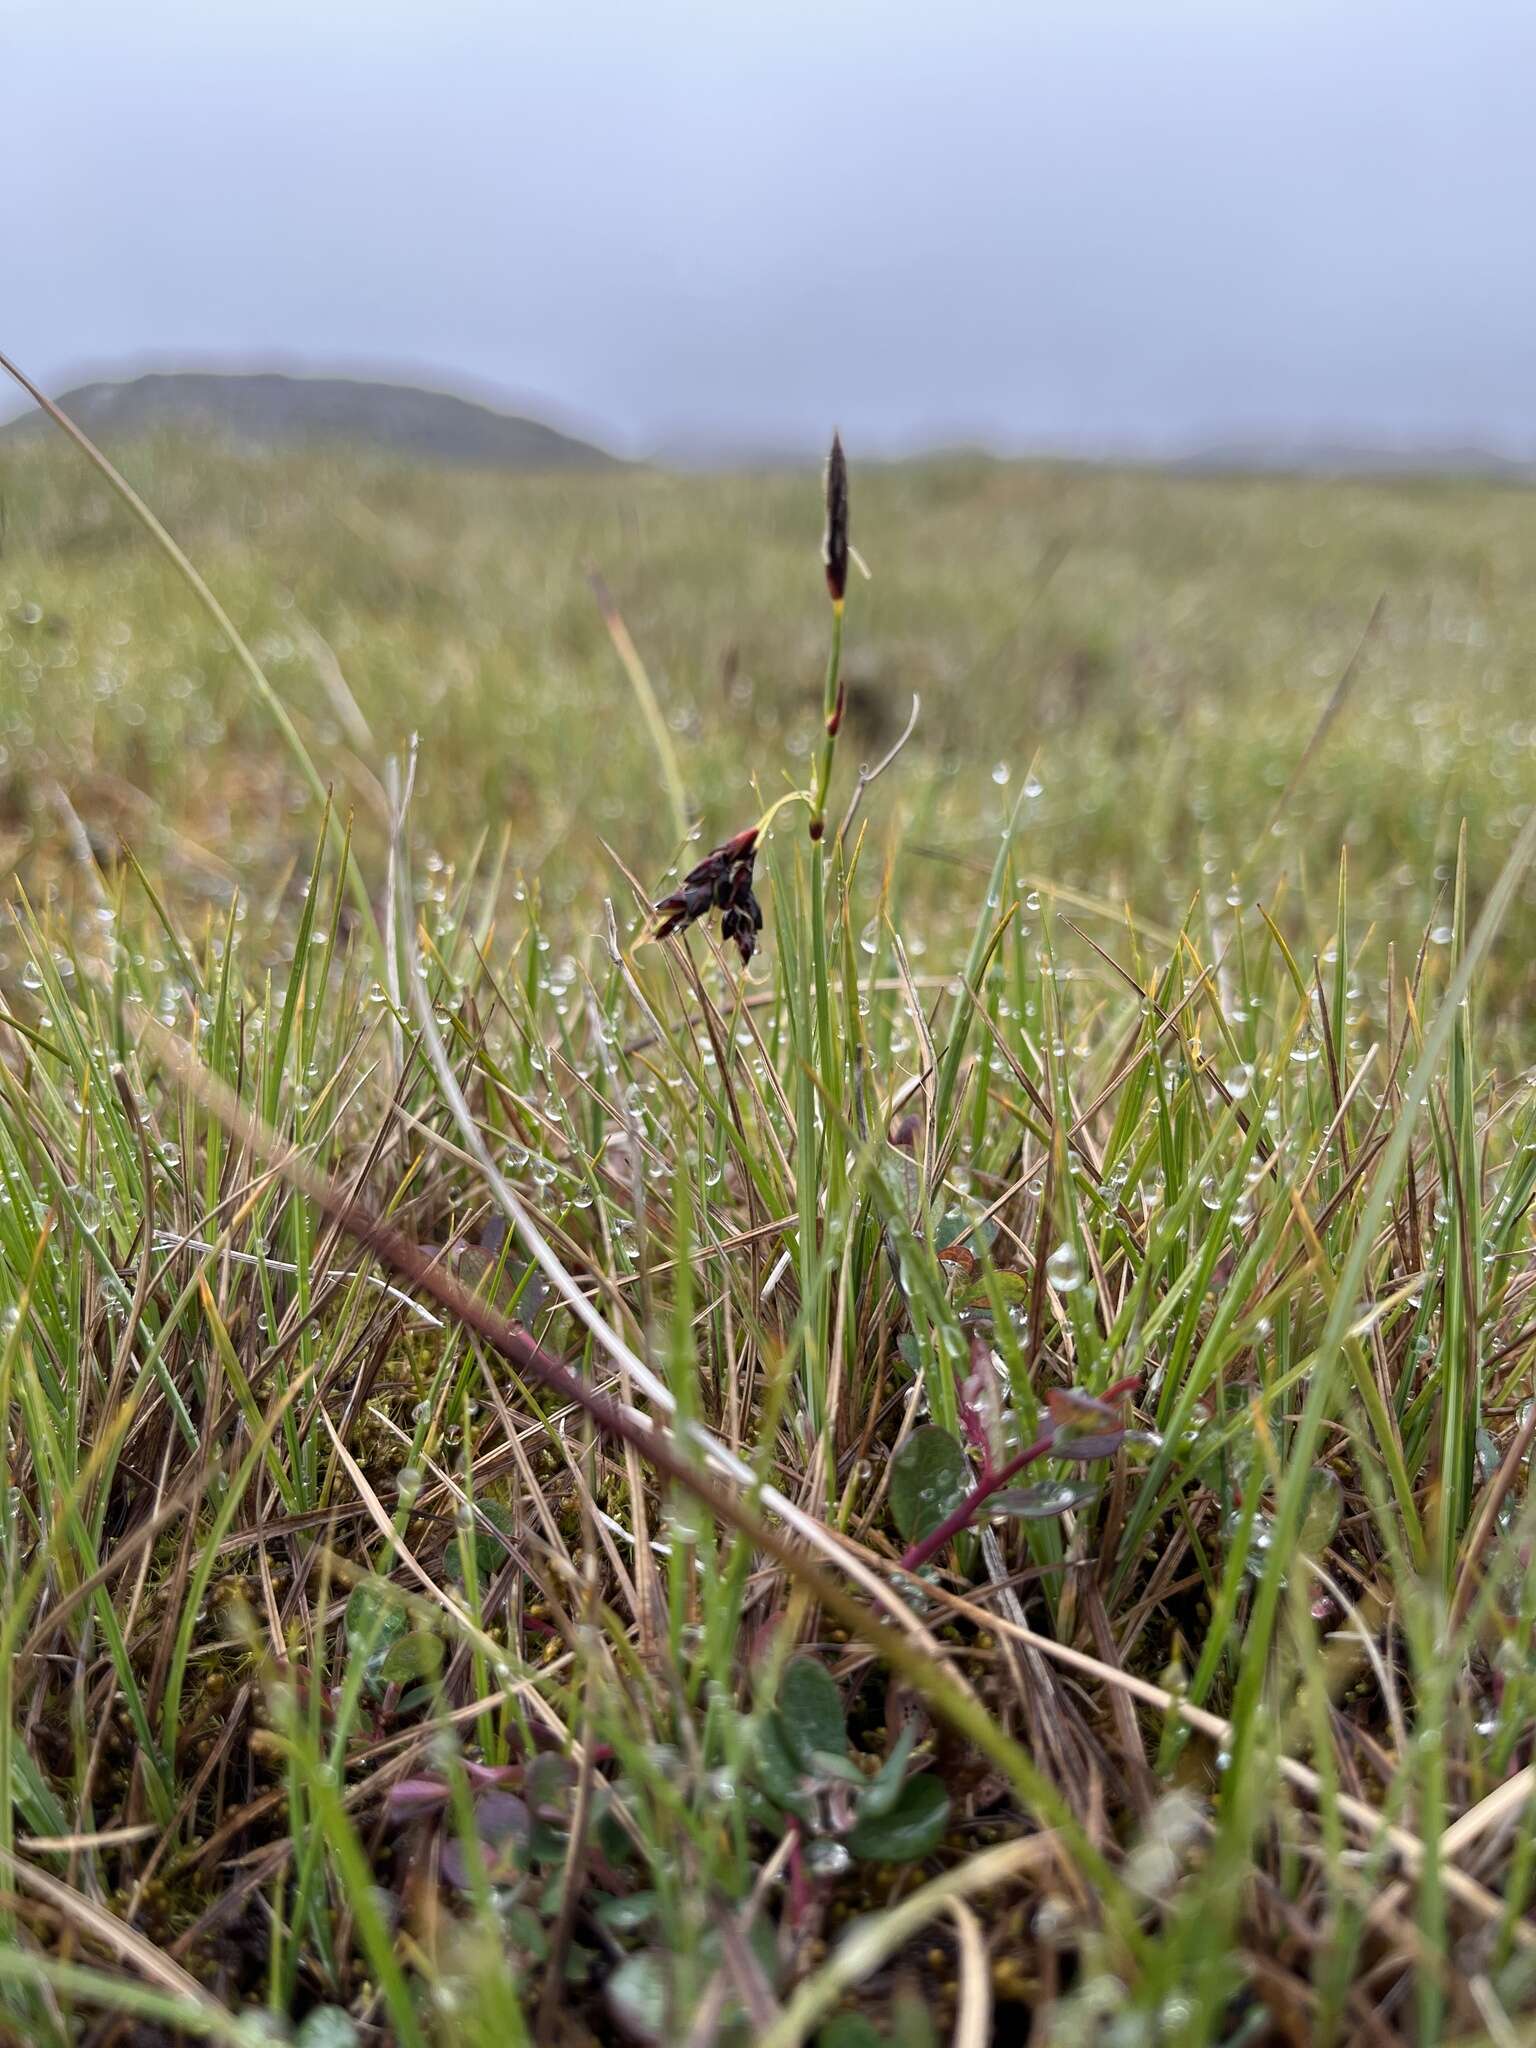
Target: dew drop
(1064, 1269)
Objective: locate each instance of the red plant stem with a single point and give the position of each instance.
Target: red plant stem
(959, 1519)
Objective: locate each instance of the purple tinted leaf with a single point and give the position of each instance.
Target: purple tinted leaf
(1069, 1406)
(413, 1796)
(490, 1774)
(549, 1782)
(1083, 1449)
(501, 1859)
(976, 1402)
(972, 1420)
(501, 1819)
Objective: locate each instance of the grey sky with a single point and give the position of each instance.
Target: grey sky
(1085, 222)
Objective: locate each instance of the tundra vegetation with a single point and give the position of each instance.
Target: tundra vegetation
(940, 1452)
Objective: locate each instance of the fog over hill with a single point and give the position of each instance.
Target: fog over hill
(266, 409)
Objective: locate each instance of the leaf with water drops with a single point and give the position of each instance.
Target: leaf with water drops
(1083, 1449)
(639, 1994)
(418, 1655)
(626, 1914)
(327, 2026)
(930, 1476)
(376, 1615)
(1012, 1289)
(1087, 1428)
(958, 1230)
(1039, 1503)
(810, 1711)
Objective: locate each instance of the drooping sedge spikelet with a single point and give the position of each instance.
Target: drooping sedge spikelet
(834, 546)
(722, 881)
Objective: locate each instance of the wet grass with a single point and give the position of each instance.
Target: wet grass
(1135, 1095)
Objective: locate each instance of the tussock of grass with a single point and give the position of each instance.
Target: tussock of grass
(360, 1673)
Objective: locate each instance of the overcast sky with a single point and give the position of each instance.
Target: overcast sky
(1101, 223)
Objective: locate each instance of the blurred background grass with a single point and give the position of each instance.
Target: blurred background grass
(1155, 648)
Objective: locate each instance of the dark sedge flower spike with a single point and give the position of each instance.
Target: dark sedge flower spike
(834, 546)
(722, 881)
(834, 555)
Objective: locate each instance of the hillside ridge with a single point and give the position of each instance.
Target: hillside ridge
(274, 408)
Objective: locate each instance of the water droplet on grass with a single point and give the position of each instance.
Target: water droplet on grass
(828, 1859)
(1064, 1269)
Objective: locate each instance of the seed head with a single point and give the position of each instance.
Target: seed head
(834, 546)
(722, 881)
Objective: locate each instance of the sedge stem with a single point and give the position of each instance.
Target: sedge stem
(832, 709)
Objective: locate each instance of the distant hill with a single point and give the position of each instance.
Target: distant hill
(269, 409)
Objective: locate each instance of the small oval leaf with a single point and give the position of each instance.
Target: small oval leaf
(502, 1820)
(549, 1786)
(413, 1656)
(780, 1775)
(1084, 1449)
(626, 1914)
(930, 1476)
(376, 1615)
(914, 1826)
(810, 1711)
(483, 1542)
(639, 1994)
(1012, 1289)
(412, 1797)
(327, 2026)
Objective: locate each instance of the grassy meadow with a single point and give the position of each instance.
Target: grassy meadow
(966, 1480)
